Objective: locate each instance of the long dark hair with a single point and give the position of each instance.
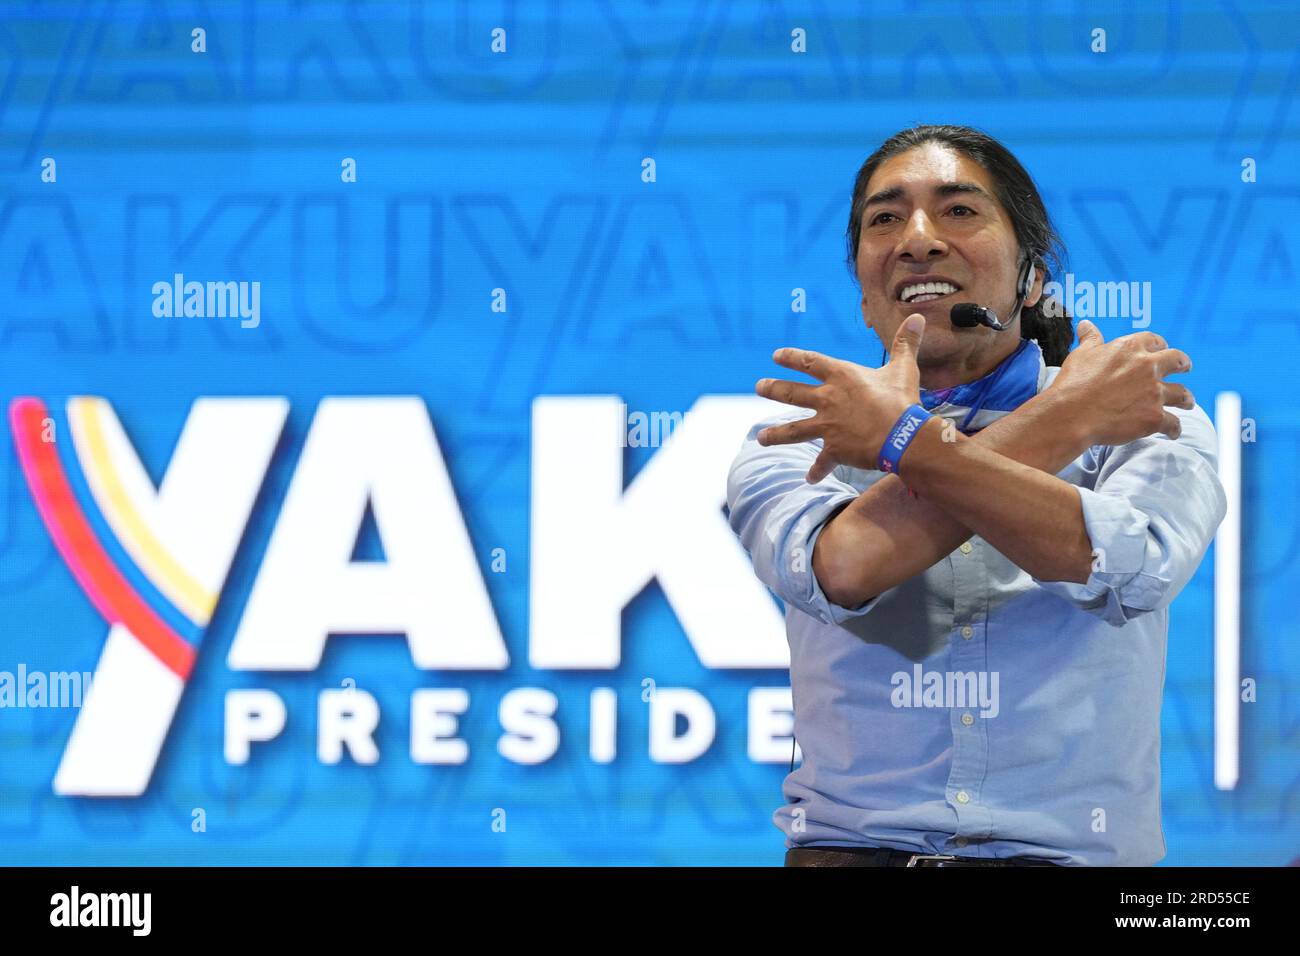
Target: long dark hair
(1015, 189)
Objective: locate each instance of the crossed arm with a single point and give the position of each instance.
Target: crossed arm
(1146, 511)
(1000, 484)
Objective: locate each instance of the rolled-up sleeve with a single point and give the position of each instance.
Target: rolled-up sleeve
(778, 516)
(1151, 511)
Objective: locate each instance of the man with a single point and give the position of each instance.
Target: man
(977, 543)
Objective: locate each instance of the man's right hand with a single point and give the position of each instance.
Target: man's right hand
(1117, 388)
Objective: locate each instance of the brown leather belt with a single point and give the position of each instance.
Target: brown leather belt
(884, 856)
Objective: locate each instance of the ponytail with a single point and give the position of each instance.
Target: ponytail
(1050, 325)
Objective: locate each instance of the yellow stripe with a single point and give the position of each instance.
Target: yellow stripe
(192, 598)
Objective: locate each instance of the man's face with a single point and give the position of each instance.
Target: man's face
(932, 211)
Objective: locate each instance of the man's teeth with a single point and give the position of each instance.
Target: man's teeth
(925, 291)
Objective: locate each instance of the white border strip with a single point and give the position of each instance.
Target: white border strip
(1227, 598)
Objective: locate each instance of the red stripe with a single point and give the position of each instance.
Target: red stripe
(80, 548)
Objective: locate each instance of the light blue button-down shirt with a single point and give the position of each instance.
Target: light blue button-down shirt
(974, 709)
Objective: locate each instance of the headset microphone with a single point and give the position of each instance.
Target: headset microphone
(967, 315)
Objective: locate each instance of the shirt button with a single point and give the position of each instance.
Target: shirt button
(963, 796)
(967, 631)
(960, 841)
(967, 719)
(965, 547)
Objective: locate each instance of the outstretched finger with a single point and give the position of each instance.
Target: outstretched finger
(792, 393)
(1178, 396)
(790, 433)
(907, 339)
(1153, 341)
(1169, 361)
(803, 360)
(901, 370)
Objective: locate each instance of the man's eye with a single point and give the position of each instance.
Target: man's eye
(967, 208)
(878, 217)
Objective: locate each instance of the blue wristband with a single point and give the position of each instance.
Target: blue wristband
(904, 430)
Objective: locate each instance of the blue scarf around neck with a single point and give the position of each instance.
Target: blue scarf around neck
(980, 403)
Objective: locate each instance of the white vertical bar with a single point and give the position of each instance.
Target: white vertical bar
(1227, 597)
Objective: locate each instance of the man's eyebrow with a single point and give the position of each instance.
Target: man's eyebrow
(949, 189)
(885, 195)
(943, 189)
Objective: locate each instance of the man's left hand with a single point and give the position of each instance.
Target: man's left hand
(856, 406)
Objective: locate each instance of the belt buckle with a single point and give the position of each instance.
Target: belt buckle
(915, 857)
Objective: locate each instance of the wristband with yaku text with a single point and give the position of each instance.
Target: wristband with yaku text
(900, 436)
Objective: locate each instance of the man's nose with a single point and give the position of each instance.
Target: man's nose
(921, 240)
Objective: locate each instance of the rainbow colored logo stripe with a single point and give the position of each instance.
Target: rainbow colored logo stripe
(95, 501)
(151, 560)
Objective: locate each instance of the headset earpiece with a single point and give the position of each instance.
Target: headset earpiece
(1026, 279)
